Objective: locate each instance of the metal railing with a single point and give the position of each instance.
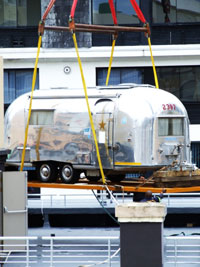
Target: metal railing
(65, 251)
(182, 251)
(79, 200)
(18, 250)
(73, 251)
(73, 200)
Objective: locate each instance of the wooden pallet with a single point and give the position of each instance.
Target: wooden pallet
(172, 179)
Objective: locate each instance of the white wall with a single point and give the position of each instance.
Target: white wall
(52, 61)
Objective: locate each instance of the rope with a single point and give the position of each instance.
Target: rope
(102, 262)
(109, 214)
(153, 64)
(88, 107)
(30, 104)
(110, 63)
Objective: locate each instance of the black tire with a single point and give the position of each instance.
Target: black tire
(46, 172)
(68, 175)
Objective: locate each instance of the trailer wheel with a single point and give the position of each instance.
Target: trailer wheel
(46, 172)
(68, 175)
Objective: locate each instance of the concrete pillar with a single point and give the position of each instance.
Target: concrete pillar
(141, 233)
(1, 105)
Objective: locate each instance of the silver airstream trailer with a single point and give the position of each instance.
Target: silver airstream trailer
(138, 127)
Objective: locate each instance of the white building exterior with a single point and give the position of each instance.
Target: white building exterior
(52, 63)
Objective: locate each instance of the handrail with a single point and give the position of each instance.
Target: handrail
(60, 249)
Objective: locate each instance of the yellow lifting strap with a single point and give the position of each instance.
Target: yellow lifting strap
(30, 104)
(110, 63)
(88, 107)
(153, 64)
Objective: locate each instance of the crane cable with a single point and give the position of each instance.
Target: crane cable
(40, 31)
(30, 104)
(153, 64)
(88, 107)
(143, 20)
(112, 8)
(110, 62)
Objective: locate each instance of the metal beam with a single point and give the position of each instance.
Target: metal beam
(118, 188)
(98, 28)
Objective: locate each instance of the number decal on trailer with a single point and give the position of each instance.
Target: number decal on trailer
(169, 106)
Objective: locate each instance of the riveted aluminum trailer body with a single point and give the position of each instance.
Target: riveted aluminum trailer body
(138, 128)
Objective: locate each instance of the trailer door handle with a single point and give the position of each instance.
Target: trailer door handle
(14, 211)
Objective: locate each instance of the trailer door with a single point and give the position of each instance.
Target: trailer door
(103, 121)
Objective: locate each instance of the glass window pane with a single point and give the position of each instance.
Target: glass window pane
(24, 81)
(163, 127)
(120, 75)
(177, 126)
(18, 82)
(101, 12)
(21, 13)
(8, 13)
(169, 79)
(164, 11)
(41, 117)
(126, 13)
(33, 12)
(129, 75)
(189, 88)
(188, 12)
(170, 126)
(9, 86)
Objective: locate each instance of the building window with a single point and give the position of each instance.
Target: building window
(195, 148)
(176, 11)
(16, 13)
(124, 10)
(120, 75)
(184, 82)
(18, 82)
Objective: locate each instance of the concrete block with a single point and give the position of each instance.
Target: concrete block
(141, 212)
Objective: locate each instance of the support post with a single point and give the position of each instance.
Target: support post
(141, 233)
(1, 105)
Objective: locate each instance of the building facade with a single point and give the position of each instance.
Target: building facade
(175, 43)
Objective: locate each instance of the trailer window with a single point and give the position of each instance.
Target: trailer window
(41, 117)
(170, 126)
